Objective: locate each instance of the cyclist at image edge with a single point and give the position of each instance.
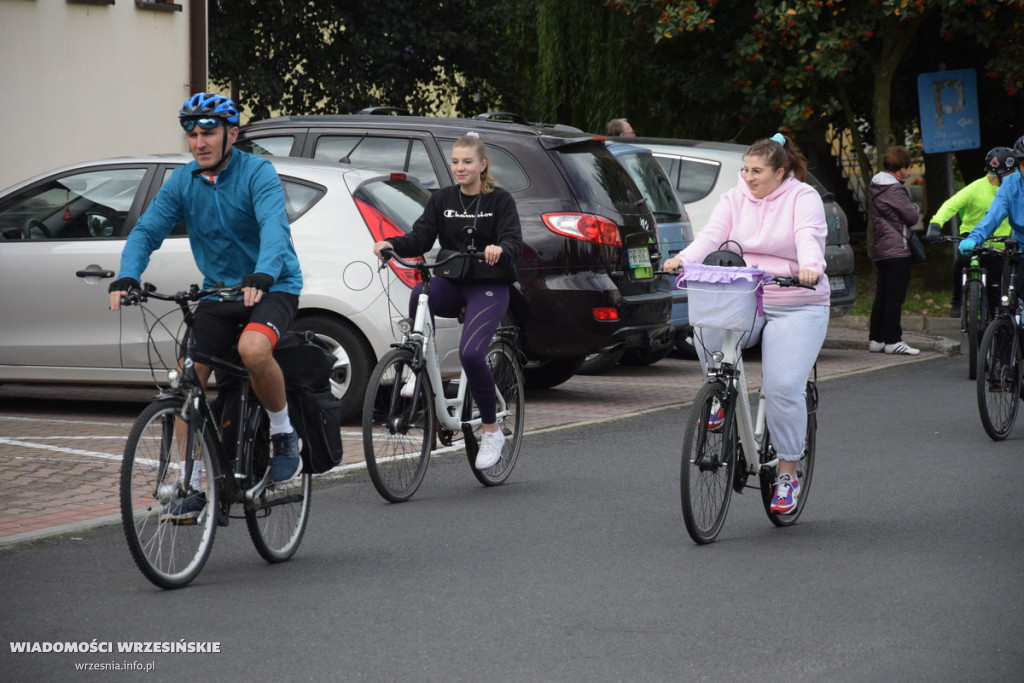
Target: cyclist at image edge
(779, 221)
(234, 209)
(1007, 205)
(475, 200)
(971, 203)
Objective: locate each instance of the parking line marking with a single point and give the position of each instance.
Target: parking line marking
(58, 449)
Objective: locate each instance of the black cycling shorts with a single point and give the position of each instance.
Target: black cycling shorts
(219, 324)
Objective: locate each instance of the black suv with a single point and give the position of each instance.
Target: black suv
(586, 274)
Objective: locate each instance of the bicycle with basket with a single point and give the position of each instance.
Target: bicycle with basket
(719, 458)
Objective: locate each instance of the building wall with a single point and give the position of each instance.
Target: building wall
(87, 81)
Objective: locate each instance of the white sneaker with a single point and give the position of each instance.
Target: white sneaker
(491, 445)
(409, 387)
(901, 348)
(876, 347)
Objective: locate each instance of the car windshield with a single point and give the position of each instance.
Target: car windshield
(652, 181)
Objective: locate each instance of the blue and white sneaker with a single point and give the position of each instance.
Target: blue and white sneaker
(286, 463)
(787, 489)
(186, 510)
(716, 418)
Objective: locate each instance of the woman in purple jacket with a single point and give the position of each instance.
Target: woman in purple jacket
(892, 215)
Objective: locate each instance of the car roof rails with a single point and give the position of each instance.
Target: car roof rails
(503, 116)
(384, 111)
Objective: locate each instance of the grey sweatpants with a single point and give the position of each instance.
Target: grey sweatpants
(791, 337)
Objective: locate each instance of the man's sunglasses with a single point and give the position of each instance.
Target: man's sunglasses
(205, 124)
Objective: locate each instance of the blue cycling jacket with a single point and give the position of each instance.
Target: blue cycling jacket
(1007, 205)
(236, 225)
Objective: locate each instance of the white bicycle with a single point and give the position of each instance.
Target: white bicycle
(719, 456)
(399, 432)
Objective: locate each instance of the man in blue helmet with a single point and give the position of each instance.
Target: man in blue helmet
(234, 209)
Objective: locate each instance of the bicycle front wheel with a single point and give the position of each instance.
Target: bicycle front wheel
(398, 431)
(998, 382)
(709, 459)
(975, 314)
(277, 518)
(804, 466)
(168, 523)
(510, 386)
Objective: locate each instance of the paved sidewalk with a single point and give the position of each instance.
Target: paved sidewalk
(59, 473)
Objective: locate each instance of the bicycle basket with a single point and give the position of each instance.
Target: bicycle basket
(723, 297)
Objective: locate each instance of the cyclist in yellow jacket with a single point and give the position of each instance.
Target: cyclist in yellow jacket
(970, 204)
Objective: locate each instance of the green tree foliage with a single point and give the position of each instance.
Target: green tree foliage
(808, 64)
(339, 56)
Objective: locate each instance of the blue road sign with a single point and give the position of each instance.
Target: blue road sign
(949, 110)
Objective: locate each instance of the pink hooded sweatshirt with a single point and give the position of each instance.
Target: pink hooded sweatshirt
(780, 234)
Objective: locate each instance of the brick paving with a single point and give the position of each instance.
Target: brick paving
(60, 459)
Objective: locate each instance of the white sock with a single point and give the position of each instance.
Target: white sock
(197, 475)
(280, 423)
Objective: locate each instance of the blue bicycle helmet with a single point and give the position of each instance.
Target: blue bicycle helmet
(210, 105)
(1000, 161)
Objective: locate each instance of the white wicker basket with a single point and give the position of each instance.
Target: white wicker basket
(723, 297)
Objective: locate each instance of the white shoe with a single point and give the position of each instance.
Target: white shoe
(409, 387)
(876, 347)
(491, 445)
(901, 348)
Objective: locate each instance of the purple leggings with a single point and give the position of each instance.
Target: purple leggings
(485, 304)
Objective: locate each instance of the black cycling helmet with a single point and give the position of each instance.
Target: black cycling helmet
(1018, 148)
(1000, 161)
(209, 106)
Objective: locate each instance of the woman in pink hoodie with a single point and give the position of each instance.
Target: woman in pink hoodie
(779, 221)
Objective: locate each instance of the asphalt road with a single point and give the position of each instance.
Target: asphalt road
(907, 565)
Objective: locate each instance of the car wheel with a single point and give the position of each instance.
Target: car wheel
(598, 363)
(355, 360)
(550, 373)
(651, 353)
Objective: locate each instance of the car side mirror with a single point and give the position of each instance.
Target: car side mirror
(99, 225)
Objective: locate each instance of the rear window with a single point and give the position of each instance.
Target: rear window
(407, 155)
(599, 183)
(278, 146)
(654, 184)
(400, 200)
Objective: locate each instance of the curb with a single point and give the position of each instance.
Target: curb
(938, 335)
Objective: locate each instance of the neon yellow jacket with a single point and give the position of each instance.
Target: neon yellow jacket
(971, 203)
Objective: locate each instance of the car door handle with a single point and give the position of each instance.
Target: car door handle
(95, 273)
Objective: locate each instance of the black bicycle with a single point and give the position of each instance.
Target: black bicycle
(999, 355)
(173, 502)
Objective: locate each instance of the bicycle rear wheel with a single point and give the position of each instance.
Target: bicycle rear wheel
(804, 466)
(709, 459)
(975, 314)
(398, 431)
(999, 361)
(277, 518)
(169, 541)
(510, 385)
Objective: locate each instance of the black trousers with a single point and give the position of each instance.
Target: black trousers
(890, 293)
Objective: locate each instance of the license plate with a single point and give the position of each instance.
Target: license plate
(639, 257)
(836, 283)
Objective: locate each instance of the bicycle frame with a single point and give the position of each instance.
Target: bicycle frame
(728, 367)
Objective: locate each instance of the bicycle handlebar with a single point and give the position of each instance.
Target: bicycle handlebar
(389, 254)
(780, 280)
(136, 296)
(1011, 247)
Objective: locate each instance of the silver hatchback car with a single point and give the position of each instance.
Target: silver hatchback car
(61, 236)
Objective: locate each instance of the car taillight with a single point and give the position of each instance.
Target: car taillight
(584, 226)
(381, 228)
(606, 313)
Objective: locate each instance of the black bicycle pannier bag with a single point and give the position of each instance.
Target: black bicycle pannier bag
(314, 411)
